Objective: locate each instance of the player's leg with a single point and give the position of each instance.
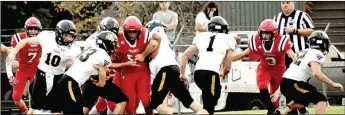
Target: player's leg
(300, 93)
(143, 87)
(71, 101)
(177, 87)
(90, 94)
(51, 83)
(111, 92)
(160, 89)
(263, 78)
(39, 90)
(18, 89)
(128, 86)
(208, 82)
(276, 79)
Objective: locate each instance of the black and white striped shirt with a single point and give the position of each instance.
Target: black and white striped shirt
(298, 20)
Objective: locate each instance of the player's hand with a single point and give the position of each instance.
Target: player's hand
(132, 63)
(275, 96)
(184, 78)
(288, 30)
(338, 85)
(93, 80)
(12, 80)
(140, 57)
(222, 76)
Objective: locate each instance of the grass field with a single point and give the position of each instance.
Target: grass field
(340, 110)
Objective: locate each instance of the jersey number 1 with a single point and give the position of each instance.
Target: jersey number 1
(209, 48)
(54, 61)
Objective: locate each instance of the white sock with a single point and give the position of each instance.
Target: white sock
(93, 111)
(285, 110)
(109, 111)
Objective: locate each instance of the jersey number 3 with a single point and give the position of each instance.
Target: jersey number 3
(271, 60)
(54, 61)
(87, 54)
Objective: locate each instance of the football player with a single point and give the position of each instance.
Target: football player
(164, 68)
(215, 49)
(95, 62)
(308, 63)
(58, 49)
(271, 48)
(28, 59)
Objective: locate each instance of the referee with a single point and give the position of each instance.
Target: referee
(298, 26)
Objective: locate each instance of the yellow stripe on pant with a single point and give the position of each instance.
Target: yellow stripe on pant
(162, 81)
(300, 89)
(71, 91)
(213, 84)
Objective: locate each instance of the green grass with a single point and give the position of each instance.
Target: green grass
(340, 110)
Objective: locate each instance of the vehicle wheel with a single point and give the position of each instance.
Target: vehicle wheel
(255, 104)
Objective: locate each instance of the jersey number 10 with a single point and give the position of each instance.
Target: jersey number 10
(55, 61)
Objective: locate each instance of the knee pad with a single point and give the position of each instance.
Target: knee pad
(101, 106)
(111, 105)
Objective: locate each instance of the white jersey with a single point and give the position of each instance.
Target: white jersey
(54, 57)
(90, 41)
(165, 55)
(212, 49)
(83, 66)
(300, 68)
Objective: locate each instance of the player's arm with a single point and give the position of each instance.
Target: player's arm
(240, 55)
(291, 54)
(24, 42)
(173, 24)
(5, 50)
(183, 60)
(227, 64)
(102, 71)
(151, 47)
(316, 72)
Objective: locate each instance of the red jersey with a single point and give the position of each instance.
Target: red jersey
(273, 57)
(126, 51)
(29, 55)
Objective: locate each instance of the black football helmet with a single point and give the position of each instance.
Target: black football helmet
(155, 23)
(319, 40)
(218, 24)
(109, 24)
(108, 41)
(65, 27)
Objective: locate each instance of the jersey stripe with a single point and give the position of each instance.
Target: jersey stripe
(17, 38)
(252, 42)
(283, 42)
(146, 36)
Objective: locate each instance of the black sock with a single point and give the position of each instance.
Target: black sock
(265, 98)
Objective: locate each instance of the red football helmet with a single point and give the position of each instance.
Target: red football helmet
(32, 22)
(131, 24)
(268, 26)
